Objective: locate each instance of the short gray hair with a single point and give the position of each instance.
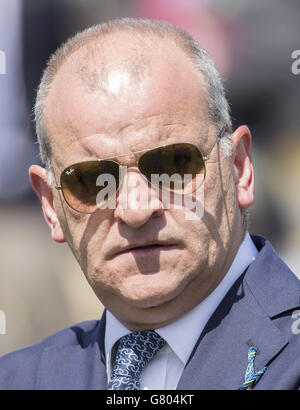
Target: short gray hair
(218, 107)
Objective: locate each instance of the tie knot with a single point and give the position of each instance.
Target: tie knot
(134, 352)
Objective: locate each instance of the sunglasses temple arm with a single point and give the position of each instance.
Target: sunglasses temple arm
(220, 136)
(58, 187)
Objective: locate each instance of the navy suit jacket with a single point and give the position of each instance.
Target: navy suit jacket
(257, 310)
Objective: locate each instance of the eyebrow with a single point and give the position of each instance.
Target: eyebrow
(206, 156)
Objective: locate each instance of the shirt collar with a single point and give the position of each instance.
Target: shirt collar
(193, 322)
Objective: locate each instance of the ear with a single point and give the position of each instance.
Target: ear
(38, 177)
(243, 167)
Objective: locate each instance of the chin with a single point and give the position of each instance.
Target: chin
(149, 290)
(150, 313)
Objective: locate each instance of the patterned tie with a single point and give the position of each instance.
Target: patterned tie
(134, 352)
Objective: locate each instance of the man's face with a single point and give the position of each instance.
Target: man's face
(147, 266)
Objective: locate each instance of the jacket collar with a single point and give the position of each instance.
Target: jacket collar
(266, 277)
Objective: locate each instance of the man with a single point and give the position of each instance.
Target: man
(207, 306)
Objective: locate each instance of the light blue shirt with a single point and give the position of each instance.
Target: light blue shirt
(164, 370)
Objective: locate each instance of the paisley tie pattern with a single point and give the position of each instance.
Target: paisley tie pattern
(134, 352)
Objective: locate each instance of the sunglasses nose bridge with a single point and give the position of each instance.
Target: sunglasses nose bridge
(130, 177)
(135, 191)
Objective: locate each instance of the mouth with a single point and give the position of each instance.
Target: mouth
(146, 249)
(149, 248)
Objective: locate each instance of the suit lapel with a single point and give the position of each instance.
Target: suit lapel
(77, 367)
(243, 318)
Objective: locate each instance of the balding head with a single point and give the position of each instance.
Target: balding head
(91, 51)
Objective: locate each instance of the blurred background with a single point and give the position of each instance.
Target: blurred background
(42, 289)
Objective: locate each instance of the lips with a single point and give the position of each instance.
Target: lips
(144, 248)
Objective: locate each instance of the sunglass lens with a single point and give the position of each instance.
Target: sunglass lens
(87, 186)
(178, 168)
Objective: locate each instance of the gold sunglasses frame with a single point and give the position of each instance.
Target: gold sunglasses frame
(204, 158)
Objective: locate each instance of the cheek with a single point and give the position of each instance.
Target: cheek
(222, 213)
(86, 235)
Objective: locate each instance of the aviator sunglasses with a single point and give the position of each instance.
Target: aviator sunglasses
(178, 168)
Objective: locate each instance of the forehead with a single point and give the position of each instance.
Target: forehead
(119, 87)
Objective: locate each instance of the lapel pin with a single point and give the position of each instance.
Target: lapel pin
(251, 377)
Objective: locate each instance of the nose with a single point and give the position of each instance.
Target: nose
(137, 201)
